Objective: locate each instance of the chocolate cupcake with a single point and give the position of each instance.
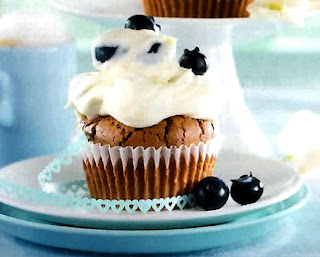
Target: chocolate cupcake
(150, 120)
(197, 8)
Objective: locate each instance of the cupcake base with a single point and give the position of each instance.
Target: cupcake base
(138, 173)
(140, 183)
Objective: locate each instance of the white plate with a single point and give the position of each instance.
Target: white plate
(280, 182)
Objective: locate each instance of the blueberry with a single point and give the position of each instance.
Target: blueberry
(105, 53)
(211, 193)
(154, 48)
(140, 21)
(246, 189)
(194, 60)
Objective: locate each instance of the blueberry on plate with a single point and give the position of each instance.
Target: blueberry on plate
(211, 193)
(194, 60)
(140, 21)
(246, 189)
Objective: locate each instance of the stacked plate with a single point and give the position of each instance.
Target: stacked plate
(163, 232)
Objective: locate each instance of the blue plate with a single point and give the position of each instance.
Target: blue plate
(18, 223)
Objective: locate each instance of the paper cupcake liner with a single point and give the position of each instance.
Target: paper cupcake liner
(138, 173)
(197, 8)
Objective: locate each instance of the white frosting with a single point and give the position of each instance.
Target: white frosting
(134, 46)
(140, 89)
(291, 10)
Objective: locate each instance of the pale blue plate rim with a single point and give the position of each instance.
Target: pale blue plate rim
(158, 241)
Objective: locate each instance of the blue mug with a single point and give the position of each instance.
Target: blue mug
(33, 92)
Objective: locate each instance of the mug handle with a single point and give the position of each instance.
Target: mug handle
(6, 110)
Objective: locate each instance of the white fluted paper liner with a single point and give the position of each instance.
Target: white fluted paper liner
(113, 172)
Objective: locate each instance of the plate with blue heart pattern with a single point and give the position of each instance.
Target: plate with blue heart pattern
(280, 182)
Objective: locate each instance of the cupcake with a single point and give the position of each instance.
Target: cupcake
(197, 8)
(149, 120)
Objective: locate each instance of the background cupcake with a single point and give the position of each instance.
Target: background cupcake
(197, 8)
(149, 120)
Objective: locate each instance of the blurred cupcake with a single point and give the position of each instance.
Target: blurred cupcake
(149, 120)
(197, 8)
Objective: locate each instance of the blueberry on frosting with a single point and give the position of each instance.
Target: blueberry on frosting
(154, 48)
(194, 60)
(139, 22)
(105, 53)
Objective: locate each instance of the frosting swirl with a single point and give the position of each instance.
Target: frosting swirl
(141, 84)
